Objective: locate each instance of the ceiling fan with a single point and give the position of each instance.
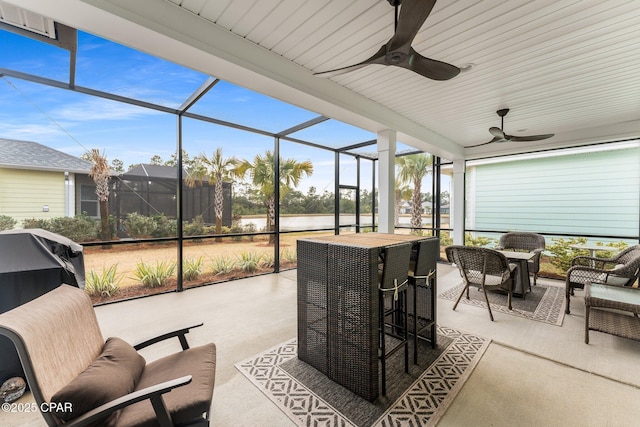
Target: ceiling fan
(398, 51)
(500, 136)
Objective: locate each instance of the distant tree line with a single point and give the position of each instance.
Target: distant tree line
(254, 196)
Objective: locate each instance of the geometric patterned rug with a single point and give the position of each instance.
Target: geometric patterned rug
(421, 404)
(545, 302)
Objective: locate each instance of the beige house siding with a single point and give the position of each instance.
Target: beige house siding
(25, 193)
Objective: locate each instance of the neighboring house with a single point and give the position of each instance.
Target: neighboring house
(39, 182)
(151, 190)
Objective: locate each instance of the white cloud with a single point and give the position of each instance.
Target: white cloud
(99, 109)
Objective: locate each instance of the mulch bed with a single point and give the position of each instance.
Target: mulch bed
(137, 291)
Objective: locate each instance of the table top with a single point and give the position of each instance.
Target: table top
(626, 295)
(522, 256)
(368, 240)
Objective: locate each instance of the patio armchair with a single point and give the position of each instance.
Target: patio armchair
(620, 270)
(78, 379)
(524, 242)
(484, 268)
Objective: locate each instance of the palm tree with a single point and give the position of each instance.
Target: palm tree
(412, 169)
(216, 170)
(100, 172)
(402, 192)
(262, 172)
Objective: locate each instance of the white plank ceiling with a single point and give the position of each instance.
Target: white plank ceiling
(568, 67)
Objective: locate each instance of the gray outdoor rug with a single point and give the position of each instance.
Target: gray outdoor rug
(545, 302)
(419, 398)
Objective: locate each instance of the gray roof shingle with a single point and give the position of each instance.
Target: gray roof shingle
(31, 155)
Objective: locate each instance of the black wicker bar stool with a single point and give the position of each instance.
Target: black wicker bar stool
(392, 296)
(422, 280)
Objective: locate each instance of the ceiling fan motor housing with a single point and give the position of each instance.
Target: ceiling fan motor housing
(395, 58)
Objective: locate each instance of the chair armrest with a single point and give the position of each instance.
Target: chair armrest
(581, 274)
(587, 269)
(180, 333)
(151, 392)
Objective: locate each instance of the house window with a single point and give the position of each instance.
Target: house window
(89, 200)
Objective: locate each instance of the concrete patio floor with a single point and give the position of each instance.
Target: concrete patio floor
(533, 373)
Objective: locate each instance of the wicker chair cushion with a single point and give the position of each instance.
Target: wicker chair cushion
(113, 374)
(183, 403)
(612, 279)
(475, 277)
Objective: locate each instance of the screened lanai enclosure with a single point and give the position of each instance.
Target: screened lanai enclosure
(172, 136)
(158, 124)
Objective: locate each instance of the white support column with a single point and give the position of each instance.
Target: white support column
(458, 205)
(386, 179)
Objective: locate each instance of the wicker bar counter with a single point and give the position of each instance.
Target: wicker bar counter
(338, 306)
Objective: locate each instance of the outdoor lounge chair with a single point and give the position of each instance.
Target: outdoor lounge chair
(525, 242)
(620, 270)
(484, 268)
(78, 379)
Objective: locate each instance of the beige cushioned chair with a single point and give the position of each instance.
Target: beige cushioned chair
(82, 380)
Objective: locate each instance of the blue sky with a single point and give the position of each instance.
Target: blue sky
(73, 122)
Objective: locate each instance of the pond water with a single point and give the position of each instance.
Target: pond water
(305, 222)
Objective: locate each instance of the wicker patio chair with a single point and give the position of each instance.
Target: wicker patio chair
(78, 379)
(525, 242)
(620, 270)
(392, 297)
(486, 269)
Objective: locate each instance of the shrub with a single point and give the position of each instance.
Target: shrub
(236, 228)
(165, 227)
(222, 265)
(153, 276)
(80, 228)
(289, 255)
(192, 268)
(7, 222)
(267, 260)
(250, 228)
(445, 239)
(139, 226)
(249, 261)
(562, 254)
(104, 283)
(480, 241)
(195, 227)
(35, 223)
